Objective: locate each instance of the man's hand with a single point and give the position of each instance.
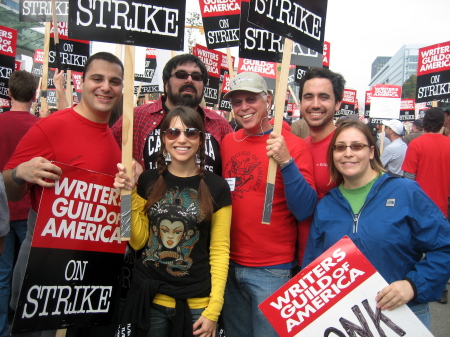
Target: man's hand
(36, 170)
(277, 149)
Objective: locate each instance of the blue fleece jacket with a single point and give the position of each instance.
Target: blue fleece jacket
(396, 226)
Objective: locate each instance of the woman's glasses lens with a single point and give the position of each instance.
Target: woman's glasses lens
(353, 147)
(183, 75)
(190, 133)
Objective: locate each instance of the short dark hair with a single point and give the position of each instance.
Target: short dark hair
(433, 120)
(22, 86)
(337, 80)
(105, 56)
(180, 60)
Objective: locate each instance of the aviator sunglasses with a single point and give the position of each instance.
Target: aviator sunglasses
(189, 133)
(183, 75)
(353, 147)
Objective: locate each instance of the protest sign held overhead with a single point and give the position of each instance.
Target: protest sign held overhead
(348, 104)
(72, 53)
(8, 41)
(149, 23)
(407, 110)
(76, 255)
(335, 296)
(221, 22)
(260, 44)
(302, 21)
(367, 101)
(385, 101)
(41, 10)
(149, 68)
(326, 54)
(433, 74)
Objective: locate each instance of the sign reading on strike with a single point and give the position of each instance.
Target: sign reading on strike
(335, 296)
(433, 74)
(8, 40)
(74, 266)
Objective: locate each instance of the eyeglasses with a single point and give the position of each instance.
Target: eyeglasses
(353, 147)
(183, 75)
(190, 133)
(237, 102)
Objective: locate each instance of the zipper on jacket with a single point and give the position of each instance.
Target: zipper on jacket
(355, 223)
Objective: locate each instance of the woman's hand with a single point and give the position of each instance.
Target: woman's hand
(204, 327)
(122, 180)
(395, 295)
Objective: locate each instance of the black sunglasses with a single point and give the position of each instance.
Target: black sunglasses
(190, 133)
(353, 147)
(183, 75)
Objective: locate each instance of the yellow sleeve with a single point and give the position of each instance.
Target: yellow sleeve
(139, 221)
(219, 260)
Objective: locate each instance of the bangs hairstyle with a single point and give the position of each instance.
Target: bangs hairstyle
(375, 163)
(191, 119)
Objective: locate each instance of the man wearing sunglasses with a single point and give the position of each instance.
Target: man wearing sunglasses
(261, 255)
(184, 78)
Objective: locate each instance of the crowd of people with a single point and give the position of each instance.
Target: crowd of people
(204, 258)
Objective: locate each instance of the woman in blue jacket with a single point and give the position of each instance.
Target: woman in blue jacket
(390, 219)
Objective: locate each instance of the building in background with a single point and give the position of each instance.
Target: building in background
(399, 68)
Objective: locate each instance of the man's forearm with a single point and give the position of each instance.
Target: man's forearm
(15, 188)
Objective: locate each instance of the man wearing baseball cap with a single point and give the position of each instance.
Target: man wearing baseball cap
(394, 154)
(261, 255)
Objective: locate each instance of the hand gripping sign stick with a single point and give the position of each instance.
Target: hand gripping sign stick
(279, 110)
(127, 140)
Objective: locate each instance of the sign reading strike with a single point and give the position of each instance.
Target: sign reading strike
(302, 21)
(433, 74)
(41, 10)
(76, 255)
(348, 106)
(335, 296)
(221, 22)
(260, 44)
(407, 110)
(385, 101)
(149, 23)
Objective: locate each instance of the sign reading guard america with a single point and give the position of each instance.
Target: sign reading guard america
(150, 23)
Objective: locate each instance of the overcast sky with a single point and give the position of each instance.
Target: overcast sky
(361, 30)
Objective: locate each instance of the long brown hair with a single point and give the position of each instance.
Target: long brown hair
(157, 190)
(375, 162)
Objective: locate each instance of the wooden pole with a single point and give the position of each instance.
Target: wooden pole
(127, 139)
(69, 87)
(44, 83)
(278, 122)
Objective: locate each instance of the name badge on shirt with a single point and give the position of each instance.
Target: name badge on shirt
(231, 182)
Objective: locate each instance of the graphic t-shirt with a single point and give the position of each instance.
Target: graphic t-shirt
(178, 246)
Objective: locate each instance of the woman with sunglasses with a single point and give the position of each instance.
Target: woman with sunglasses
(390, 219)
(181, 218)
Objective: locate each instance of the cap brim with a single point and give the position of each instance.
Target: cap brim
(249, 89)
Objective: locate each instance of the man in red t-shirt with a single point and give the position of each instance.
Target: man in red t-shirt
(321, 92)
(13, 126)
(79, 136)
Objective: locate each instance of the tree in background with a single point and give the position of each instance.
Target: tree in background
(409, 87)
(193, 22)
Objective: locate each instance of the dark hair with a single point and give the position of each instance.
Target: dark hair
(192, 119)
(105, 56)
(337, 80)
(433, 120)
(180, 60)
(22, 86)
(375, 163)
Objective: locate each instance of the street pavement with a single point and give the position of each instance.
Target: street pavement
(440, 318)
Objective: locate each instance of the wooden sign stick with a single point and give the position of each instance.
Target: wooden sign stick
(127, 140)
(44, 83)
(231, 72)
(69, 87)
(294, 97)
(278, 122)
